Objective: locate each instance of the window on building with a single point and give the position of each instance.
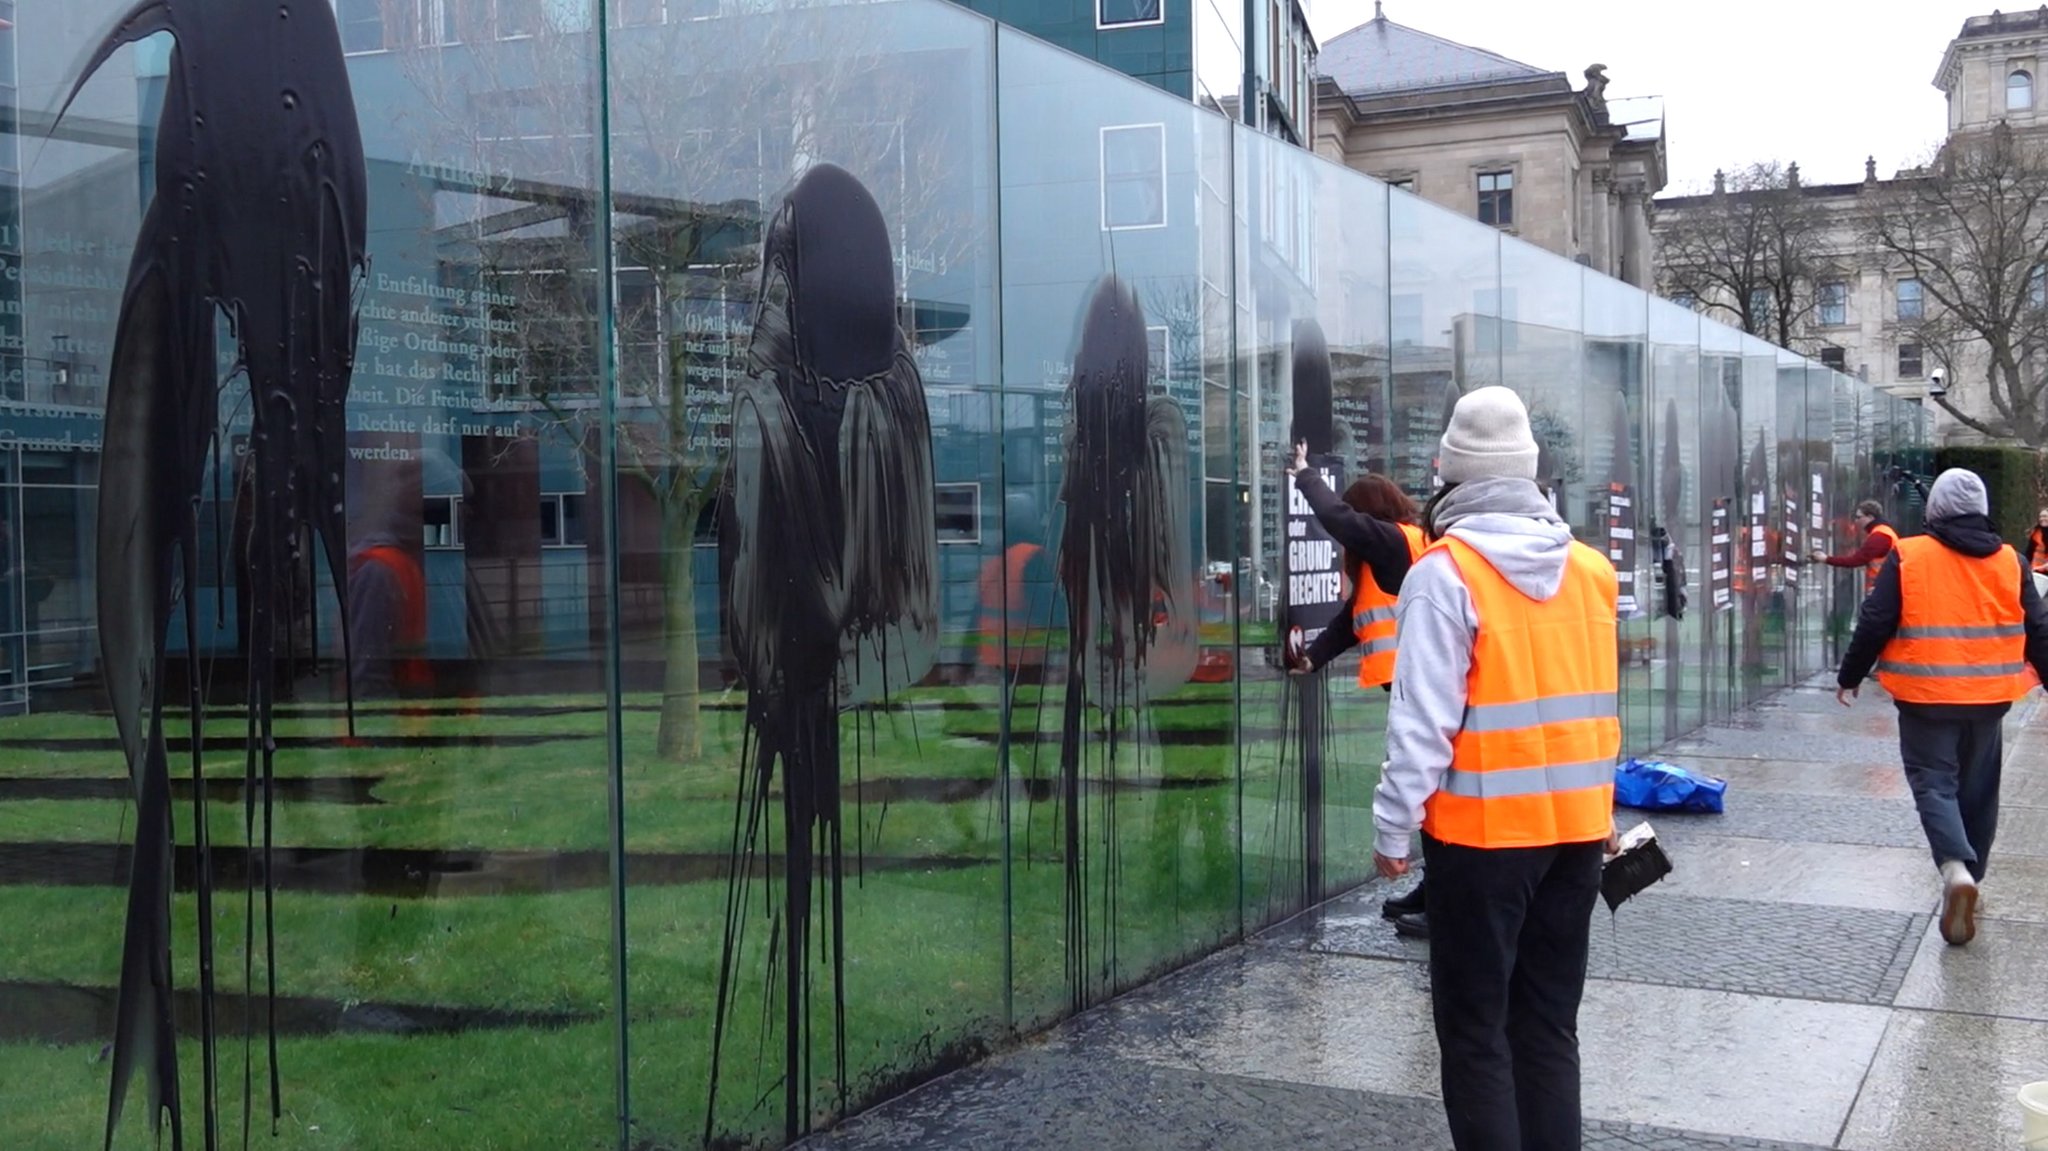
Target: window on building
(442, 520)
(1912, 304)
(2019, 90)
(561, 520)
(1123, 13)
(1910, 366)
(637, 13)
(1834, 357)
(1158, 354)
(1760, 304)
(1497, 198)
(362, 25)
(2037, 287)
(1686, 300)
(518, 18)
(1134, 176)
(1834, 303)
(956, 513)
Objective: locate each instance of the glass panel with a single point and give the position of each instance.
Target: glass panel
(1762, 574)
(1721, 469)
(815, 760)
(429, 940)
(1124, 860)
(1676, 516)
(1613, 432)
(1318, 321)
(1444, 278)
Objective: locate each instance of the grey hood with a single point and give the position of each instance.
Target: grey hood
(1509, 522)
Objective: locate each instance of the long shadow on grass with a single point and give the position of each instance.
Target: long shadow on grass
(178, 744)
(347, 790)
(407, 873)
(63, 1013)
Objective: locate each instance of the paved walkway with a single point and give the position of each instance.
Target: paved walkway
(1785, 988)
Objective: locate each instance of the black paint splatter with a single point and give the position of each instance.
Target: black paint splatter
(258, 217)
(829, 557)
(1125, 565)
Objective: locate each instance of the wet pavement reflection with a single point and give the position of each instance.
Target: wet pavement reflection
(1785, 988)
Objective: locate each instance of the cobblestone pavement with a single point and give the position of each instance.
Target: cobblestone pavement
(1784, 988)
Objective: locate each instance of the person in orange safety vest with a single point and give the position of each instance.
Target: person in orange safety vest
(1956, 632)
(1375, 524)
(1878, 540)
(1502, 736)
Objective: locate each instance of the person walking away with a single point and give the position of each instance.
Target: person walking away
(1951, 628)
(1879, 538)
(1502, 736)
(2037, 543)
(1375, 524)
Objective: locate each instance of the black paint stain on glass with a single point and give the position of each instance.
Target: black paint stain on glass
(829, 561)
(1126, 567)
(257, 217)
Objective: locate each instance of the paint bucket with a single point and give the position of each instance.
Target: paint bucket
(2034, 1116)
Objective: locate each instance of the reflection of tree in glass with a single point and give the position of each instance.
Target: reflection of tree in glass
(258, 216)
(710, 120)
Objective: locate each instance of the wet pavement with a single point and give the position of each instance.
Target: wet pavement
(1784, 988)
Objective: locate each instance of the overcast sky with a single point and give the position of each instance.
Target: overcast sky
(1821, 82)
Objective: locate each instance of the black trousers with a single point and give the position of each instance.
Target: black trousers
(1953, 765)
(1508, 935)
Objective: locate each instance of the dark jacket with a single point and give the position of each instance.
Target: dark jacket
(1878, 622)
(1380, 543)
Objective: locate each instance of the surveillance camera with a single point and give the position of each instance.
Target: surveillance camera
(1937, 383)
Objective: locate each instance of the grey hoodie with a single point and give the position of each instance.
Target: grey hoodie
(1511, 524)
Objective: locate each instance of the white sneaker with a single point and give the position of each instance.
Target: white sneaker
(1958, 904)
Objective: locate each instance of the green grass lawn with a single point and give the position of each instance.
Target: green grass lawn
(1204, 837)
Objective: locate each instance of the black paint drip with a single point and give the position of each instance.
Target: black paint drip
(258, 216)
(1126, 567)
(829, 561)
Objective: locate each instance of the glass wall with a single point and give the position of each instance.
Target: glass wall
(650, 575)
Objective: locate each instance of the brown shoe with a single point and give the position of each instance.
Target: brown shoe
(1959, 910)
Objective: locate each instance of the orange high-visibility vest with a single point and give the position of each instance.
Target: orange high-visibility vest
(409, 641)
(1533, 765)
(1002, 610)
(1871, 569)
(1962, 634)
(1372, 617)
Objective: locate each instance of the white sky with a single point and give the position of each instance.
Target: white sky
(1820, 82)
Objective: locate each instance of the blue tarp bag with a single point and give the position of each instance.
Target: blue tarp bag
(1655, 786)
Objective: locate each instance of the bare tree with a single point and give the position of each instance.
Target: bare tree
(1749, 252)
(1972, 226)
(711, 122)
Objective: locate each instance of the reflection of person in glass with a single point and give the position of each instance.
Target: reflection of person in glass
(1375, 524)
(1878, 540)
(2037, 543)
(387, 589)
(1501, 739)
(1015, 590)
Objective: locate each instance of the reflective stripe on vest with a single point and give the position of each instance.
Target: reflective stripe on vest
(1533, 763)
(1962, 632)
(1871, 569)
(1372, 617)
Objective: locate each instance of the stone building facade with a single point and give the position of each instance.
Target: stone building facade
(1567, 169)
(1864, 301)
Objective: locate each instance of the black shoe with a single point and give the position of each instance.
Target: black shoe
(1414, 926)
(1400, 905)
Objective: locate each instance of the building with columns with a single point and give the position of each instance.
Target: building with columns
(1863, 301)
(1569, 169)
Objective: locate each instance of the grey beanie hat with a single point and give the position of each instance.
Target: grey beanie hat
(1957, 492)
(1488, 437)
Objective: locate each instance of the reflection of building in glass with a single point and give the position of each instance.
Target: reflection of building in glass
(1199, 50)
(1497, 140)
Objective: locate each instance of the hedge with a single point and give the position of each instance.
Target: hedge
(2016, 477)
